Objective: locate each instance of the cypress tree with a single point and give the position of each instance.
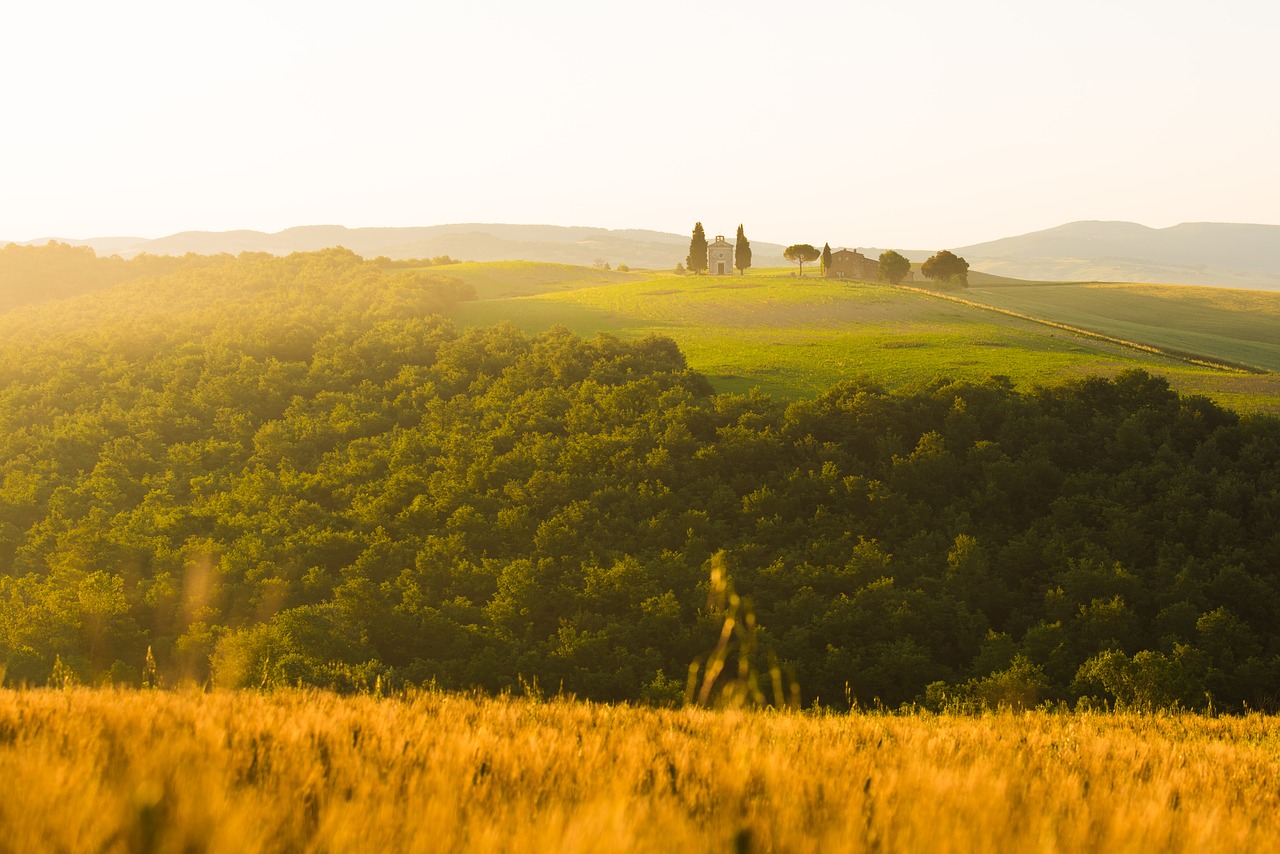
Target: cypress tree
(697, 260)
(742, 252)
(826, 258)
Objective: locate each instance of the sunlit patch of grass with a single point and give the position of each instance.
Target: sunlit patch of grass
(1235, 325)
(105, 770)
(796, 337)
(498, 279)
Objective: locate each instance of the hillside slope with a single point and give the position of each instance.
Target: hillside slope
(271, 471)
(1198, 253)
(1234, 326)
(795, 338)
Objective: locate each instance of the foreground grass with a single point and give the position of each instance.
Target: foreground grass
(105, 770)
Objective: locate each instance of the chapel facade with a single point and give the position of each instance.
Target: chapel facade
(720, 257)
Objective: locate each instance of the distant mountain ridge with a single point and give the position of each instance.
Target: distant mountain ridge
(470, 241)
(1200, 253)
(1196, 253)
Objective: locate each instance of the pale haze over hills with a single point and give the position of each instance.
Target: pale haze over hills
(921, 124)
(1204, 253)
(1196, 253)
(466, 241)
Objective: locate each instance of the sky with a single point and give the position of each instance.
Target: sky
(913, 124)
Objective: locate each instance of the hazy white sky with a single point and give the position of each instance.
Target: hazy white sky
(898, 123)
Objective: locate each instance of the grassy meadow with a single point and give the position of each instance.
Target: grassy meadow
(102, 770)
(1238, 325)
(796, 337)
(506, 279)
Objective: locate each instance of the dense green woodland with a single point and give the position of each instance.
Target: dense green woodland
(273, 470)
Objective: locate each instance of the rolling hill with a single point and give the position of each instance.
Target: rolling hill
(1195, 253)
(1237, 326)
(795, 338)
(269, 472)
(472, 241)
(1205, 253)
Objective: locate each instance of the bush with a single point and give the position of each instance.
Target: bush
(1022, 686)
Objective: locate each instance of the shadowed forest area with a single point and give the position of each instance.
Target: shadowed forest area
(260, 471)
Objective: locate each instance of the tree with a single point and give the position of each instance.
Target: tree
(826, 258)
(947, 266)
(893, 267)
(697, 260)
(742, 252)
(801, 253)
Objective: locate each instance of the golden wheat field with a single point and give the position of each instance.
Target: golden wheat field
(106, 770)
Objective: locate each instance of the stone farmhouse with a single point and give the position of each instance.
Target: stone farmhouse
(852, 264)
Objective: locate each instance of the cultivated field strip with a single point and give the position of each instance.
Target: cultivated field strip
(1216, 325)
(104, 770)
(1191, 358)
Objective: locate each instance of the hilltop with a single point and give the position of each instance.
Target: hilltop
(796, 337)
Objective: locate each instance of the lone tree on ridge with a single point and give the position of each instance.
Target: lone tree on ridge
(826, 258)
(742, 252)
(893, 267)
(697, 260)
(948, 267)
(801, 253)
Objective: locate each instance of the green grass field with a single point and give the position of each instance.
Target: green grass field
(796, 337)
(1236, 325)
(501, 279)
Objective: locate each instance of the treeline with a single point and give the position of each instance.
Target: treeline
(410, 263)
(34, 274)
(270, 471)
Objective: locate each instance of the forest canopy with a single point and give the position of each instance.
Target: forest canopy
(271, 471)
